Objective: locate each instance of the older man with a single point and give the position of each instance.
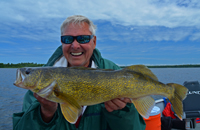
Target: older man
(78, 49)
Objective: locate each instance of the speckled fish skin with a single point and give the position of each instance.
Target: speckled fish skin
(78, 86)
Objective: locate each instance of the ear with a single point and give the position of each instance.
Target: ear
(94, 41)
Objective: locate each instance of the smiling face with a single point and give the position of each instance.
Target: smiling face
(78, 54)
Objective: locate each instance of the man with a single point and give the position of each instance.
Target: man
(78, 49)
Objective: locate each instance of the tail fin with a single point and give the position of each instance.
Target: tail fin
(180, 94)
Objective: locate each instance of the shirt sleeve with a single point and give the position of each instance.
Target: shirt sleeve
(30, 117)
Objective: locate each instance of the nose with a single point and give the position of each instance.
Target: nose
(75, 45)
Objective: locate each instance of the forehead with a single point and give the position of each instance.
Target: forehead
(77, 29)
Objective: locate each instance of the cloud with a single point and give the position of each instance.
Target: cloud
(130, 34)
(195, 36)
(126, 28)
(169, 13)
(38, 20)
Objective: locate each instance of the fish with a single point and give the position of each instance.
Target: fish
(74, 87)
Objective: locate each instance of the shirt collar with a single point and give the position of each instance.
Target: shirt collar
(62, 62)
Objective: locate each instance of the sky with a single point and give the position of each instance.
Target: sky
(149, 32)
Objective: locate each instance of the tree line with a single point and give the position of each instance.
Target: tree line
(19, 65)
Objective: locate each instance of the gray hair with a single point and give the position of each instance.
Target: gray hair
(78, 19)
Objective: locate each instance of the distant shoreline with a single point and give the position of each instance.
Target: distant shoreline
(171, 66)
(20, 65)
(174, 66)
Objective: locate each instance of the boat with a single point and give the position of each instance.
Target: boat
(191, 109)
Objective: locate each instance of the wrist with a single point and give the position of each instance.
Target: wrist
(46, 115)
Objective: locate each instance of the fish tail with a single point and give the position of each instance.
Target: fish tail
(180, 94)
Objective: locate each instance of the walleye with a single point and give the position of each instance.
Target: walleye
(74, 87)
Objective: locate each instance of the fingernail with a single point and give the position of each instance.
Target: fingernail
(122, 98)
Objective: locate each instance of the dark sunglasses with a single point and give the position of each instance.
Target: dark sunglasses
(67, 39)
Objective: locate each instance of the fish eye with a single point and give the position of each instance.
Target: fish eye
(28, 71)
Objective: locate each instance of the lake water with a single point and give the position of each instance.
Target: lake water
(11, 97)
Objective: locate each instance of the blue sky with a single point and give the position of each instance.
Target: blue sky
(150, 32)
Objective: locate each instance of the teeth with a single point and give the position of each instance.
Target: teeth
(20, 78)
(23, 77)
(76, 54)
(20, 75)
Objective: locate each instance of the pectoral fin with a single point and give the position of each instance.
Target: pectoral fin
(144, 105)
(71, 110)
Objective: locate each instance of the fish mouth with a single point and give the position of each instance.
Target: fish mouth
(19, 79)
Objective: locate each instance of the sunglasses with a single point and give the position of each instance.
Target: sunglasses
(67, 39)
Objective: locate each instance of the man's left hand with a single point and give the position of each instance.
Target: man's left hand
(116, 104)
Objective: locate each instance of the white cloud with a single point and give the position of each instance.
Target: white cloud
(33, 19)
(130, 34)
(169, 13)
(195, 36)
(126, 26)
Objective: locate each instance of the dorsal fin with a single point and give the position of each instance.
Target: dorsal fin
(141, 69)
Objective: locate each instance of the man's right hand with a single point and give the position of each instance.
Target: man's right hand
(48, 108)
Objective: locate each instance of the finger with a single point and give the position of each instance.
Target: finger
(119, 103)
(127, 100)
(108, 107)
(42, 100)
(37, 97)
(112, 105)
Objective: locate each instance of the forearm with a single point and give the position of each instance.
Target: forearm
(30, 117)
(46, 116)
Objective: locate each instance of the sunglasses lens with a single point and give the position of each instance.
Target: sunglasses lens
(80, 39)
(67, 39)
(83, 39)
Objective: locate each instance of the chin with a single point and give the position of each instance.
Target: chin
(76, 64)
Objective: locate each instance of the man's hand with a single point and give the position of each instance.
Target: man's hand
(116, 104)
(48, 108)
